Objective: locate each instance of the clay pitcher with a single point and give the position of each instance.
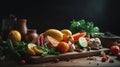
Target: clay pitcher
(22, 27)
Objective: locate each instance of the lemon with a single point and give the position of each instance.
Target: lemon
(14, 35)
(66, 32)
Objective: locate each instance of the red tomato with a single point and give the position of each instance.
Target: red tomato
(114, 49)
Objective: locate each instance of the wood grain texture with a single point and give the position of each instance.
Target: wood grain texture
(70, 55)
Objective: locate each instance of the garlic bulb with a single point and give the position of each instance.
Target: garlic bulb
(72, 46)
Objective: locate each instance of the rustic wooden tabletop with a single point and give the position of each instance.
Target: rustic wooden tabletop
(81, 62)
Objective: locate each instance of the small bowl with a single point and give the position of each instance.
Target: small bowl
(109, 41)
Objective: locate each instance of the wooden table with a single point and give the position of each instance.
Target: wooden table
(76, 59)
(72, 62)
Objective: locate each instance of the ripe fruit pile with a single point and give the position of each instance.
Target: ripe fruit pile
(62, 40)
(53, 41)
(50, 41)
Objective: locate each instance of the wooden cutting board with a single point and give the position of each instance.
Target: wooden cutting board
(70, 55)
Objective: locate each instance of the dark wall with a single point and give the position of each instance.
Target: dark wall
(58, 14)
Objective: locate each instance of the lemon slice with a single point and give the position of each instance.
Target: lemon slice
(31, 45)
(30, 50)
(82, 42)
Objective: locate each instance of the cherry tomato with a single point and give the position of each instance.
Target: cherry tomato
(107, 57)
(22, 62)
(104, 59)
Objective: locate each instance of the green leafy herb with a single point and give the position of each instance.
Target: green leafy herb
(20, 46)
(83, 26)
(12, 49)
(47, 50)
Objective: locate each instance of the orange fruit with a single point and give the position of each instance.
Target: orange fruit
(14, 35)
(63, 47)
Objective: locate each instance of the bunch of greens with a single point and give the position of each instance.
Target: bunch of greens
(83, 26)
(48, 50)
(10, 50)
(21, 46)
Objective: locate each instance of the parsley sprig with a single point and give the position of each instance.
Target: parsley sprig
(48, 50)
(83, 26)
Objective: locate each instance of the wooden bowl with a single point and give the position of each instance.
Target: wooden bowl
(109, 41)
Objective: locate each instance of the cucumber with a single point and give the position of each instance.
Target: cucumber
(82, 42)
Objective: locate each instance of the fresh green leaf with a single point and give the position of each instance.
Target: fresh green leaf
(83, 26)
(12, 49)
(44, 54)
(20, 45)
(48, 50)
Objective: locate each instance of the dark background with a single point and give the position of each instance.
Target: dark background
(44, 14)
